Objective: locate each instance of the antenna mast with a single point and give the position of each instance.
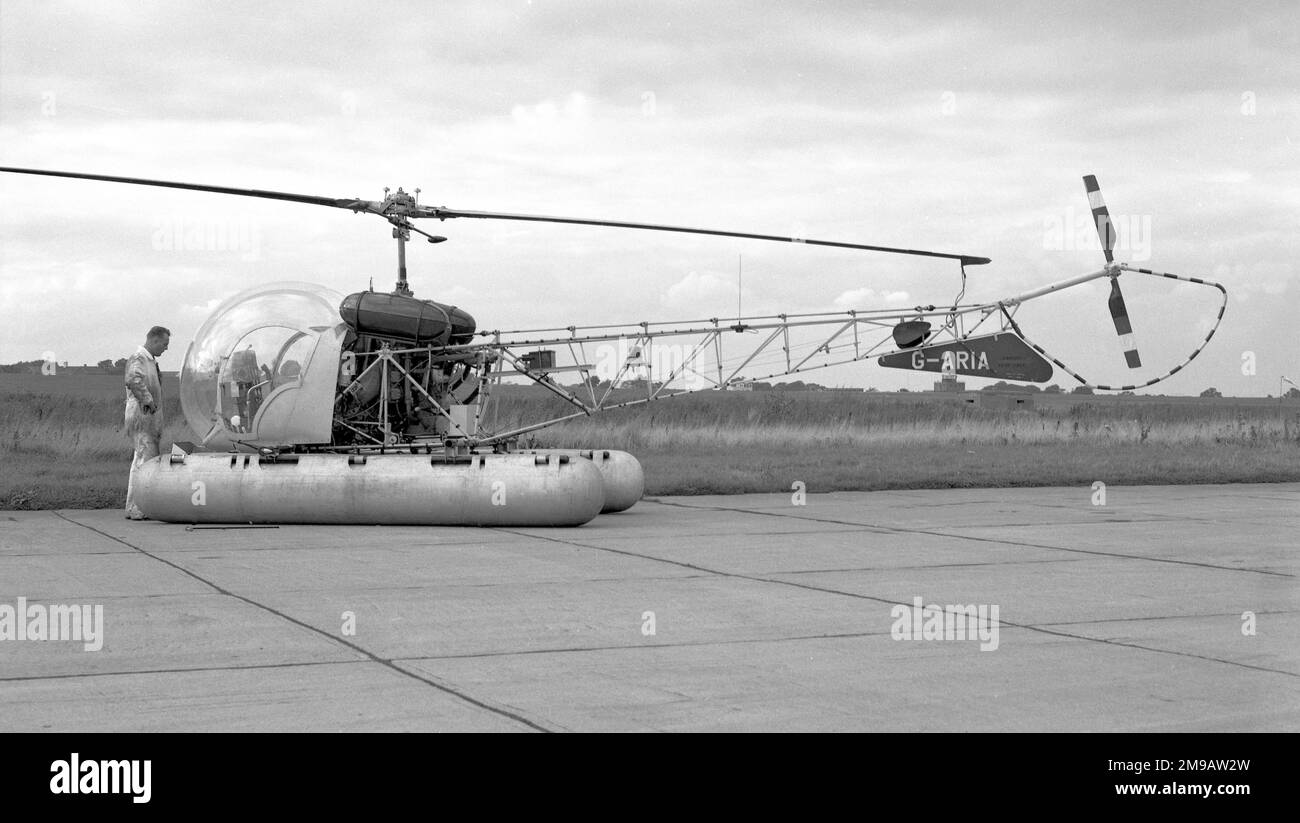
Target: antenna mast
(740, 285)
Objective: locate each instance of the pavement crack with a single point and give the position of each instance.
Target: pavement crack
(685, 644)
(518, 718)
(999, 541)
(180, 670)
(888, 601)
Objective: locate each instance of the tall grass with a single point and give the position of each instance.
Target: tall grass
(70, 451)
(74, 427)
(856, 421)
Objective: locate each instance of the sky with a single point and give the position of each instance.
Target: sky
(958, 127)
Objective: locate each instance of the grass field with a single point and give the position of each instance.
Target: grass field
(62, 444)
(736, 442)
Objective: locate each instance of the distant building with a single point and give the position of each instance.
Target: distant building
(949, 383)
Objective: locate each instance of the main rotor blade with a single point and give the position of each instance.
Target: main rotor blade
(351, 204)
(359, 205)
(444, 214)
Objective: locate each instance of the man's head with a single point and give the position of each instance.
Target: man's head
(157, 340)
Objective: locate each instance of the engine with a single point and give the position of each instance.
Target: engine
(396, 382)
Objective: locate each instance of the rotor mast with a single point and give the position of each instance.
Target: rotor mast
(395, 208)
(402, 235)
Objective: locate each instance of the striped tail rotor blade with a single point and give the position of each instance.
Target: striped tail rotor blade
(1101, 218)
(1119, 313)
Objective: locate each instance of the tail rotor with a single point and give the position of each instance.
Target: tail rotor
(1106, 233)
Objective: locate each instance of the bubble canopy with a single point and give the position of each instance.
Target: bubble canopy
(251, 375)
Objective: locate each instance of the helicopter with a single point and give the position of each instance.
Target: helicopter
(377, 407)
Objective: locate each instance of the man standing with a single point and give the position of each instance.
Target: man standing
(144, 421)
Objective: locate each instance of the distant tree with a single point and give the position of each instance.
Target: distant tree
(119, 363)
(1293, 394)
(1081, 390)
(904, 391)
(105, 364)
(1211, 392)
(23, 367)
(1052, 389)
(874, 389)
(1004, 386)
(759, 386)
(1126, 394)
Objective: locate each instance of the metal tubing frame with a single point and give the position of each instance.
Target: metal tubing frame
(502, 347)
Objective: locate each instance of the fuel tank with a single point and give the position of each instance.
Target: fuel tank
(390, 489)
(622, 473)
(422, 322)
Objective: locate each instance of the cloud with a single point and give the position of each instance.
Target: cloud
(918, 126)
(1244, 281)
(870, 299)
(701, 294)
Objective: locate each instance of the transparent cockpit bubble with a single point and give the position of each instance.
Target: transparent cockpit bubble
(254, 343)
